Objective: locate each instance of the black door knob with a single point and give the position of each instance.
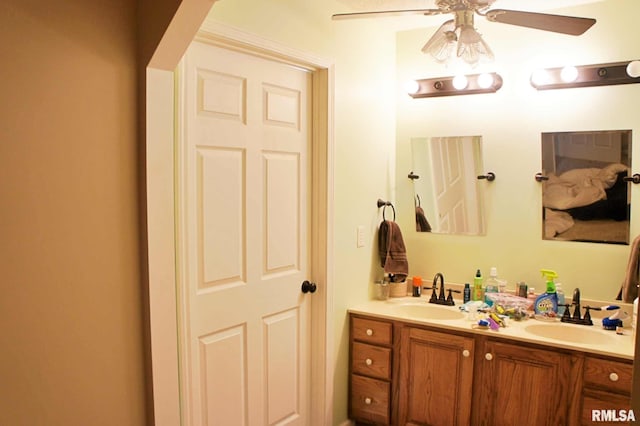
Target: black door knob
(308, 287)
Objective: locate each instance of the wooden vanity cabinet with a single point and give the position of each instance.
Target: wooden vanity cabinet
(407, 374)
(371, 350)
(436, 377)
(522, 385)
(606, 386)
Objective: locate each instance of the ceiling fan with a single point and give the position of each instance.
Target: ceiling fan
(459, 35)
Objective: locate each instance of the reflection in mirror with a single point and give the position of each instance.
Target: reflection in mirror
(446, 189)
(585, 197)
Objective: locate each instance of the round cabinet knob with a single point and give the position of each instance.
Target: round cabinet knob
(466, 353)
(368, 401)
(369, 332)
(368, 361)
(488, 356)
(613, 377)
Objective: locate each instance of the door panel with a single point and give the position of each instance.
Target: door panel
(243, 225)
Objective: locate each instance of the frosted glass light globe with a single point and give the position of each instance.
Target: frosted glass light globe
(569, 74)
(412, 87)
(485, 80)
(633, 69)
(460, 82)
(540, 77)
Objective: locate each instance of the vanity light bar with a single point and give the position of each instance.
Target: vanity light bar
(585, 76)
(446, 86)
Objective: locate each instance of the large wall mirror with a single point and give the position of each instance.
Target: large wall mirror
(447, 194)
(585, 196)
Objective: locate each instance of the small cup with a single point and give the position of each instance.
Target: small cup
(381, 290)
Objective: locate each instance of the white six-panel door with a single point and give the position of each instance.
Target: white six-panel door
(243, 219)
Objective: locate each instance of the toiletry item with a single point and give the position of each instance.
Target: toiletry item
(382, 290)
(478, 291)
(547, 302)
(467, 293)
(531, 293)
(615, 321)
(417, 286)
(492, 285)
(560, 298)
(549, 277)
(521, 289)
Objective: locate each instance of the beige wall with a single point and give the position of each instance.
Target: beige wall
(74, 305)
(72, 351)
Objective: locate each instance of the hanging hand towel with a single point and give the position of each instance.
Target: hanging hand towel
(630, 284)
(393, 255)
(422, 224)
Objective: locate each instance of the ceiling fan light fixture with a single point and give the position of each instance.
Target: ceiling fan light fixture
(442, 44)
(472, 48)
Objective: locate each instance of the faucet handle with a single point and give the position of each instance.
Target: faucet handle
(566, 315)
(587, 316)
(450, 301)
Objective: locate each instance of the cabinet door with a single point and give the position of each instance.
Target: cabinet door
(522, 386)
(436, 372)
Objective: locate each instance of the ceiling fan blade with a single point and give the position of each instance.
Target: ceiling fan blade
(541, 21)
(386, 13)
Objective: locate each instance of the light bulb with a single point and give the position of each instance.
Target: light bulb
(442, 43)
(485, 80)
(569, 74)
(633, 69)
(460, 82)
(540, 77)
(471, 47)
(412, 87)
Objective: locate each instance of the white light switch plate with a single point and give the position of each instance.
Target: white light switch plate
(360, 236)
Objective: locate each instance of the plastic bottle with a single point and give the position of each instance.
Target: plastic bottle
(560, 298)
(478, 291)
(492, 285)
(467, 293)
(417, 286)
(547, 302)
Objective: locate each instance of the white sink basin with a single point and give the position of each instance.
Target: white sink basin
(428, 311)
(572, 334)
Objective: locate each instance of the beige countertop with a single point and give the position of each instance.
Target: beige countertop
(591, 339)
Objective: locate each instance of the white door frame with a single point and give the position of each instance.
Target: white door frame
(161, 238)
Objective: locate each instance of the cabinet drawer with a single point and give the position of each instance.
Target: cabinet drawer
(611, 375)
(371, 331)
(601, 408)
(370, 400)
(374, 361)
